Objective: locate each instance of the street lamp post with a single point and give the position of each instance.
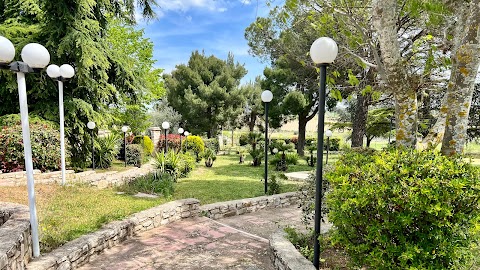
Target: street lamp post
(186, 140)
(267, 96)
(180, 131)
(124, 129)
(91, 125)
(166, 126)
(61, 74)
(35, 58)
(329, 134)
(323, 51)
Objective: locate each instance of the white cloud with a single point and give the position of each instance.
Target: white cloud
(246, 2)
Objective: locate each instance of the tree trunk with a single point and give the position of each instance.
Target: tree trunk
(406, 118)
(369, 141)
(302, 127)
(232, 135)
(251, 122)
(384, 20)
(359, 121)
(465, 63)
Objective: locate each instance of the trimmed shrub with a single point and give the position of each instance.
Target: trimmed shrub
(405, 209)
(44, 138)
(290, 158)
(173, 141)
(212, 144)
(135, 155)
(146, 143)
(105, 151)
(196, 144)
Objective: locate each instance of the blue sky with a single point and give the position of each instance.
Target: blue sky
(215, 26)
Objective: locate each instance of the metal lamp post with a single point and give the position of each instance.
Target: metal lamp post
(329, 134)
(180, 131)
(323, 51)
(186, 140)
(35, 58)
(165, 126)
(61, 74)
(124, 130)
(91, 125)
(267, 96)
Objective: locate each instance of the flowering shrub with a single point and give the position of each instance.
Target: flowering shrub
(173, 141)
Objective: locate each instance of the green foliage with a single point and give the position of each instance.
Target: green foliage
(243, 140)
(44, 138)
(106, 150)
(274, 184)
(176, 164)
(151, 183)
(302, 242)
(135, 155)
(146, 144)
(290, 158)
(405, 209)
(203, 90)
(209, 156)
(334, 144)
(257, 155)
(195, 143)
(212, 144)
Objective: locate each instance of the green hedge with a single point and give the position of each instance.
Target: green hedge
(405, 209)
(146, 143)
(44, 138)
(135, 155)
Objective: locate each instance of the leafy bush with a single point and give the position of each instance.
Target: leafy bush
(405, 209)
(135, 155)
(334, 144)
(212, 144)
(274, 184)
(44, 138)
(257, 155)
(176, 164)
(196, 144)
(209, 156)
(151, 183)
(173, 141)
(146, 143)
(105, 151)
(243, 139)
(290, 158)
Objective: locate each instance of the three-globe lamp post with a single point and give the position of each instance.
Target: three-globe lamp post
(323, 51)
(61, 74)
(35, 58)
(124, 130)
(91, 125)
(329, 134)
(267, 96)
(166, 126)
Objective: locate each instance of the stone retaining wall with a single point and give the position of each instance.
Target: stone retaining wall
(15, 237)
(79, 251)
(285, 256)
(100, 180)
(239, 207)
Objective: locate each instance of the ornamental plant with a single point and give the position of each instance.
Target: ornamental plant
(44, 138)
(405, 209)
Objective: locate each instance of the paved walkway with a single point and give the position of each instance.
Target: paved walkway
(238, 242)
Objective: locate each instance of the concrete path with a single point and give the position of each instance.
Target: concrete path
(299, 176)
(238, 242)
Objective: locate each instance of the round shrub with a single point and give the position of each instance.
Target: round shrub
(146, 143)
(44, 138)
(405, 209)
(195, 143)
(173, 141)
(243, 139)
(134, 154)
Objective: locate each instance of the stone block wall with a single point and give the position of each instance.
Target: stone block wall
(285, 256)
(239, 207)
(77, 252)
(100, 180)
(15, 236)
